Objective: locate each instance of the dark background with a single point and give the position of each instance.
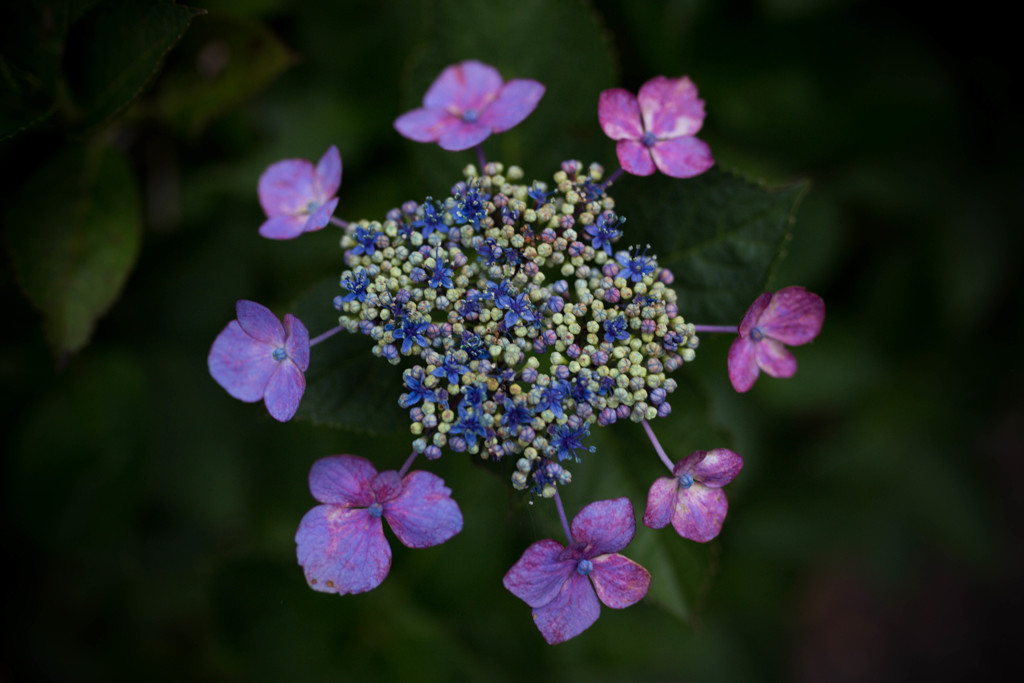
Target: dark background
(875, 531)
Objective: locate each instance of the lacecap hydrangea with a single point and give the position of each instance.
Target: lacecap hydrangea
(524, 319)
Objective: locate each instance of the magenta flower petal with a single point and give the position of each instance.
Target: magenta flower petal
(469, 85)
(774, 358)
(425, 125)
(570, 613)
(683, 157)
(714, 468)
(284, 391)
(287, 187)
(328, 175)
(619, 581)
(661, 501)
(258, 322)
(699, 512)
(742, 363)
(342, 541)
(240, 364)
(297, 197)
(284, 227)
(424, 513)
(466, 103)
(296, 341)
(634, 157)
(342, 550)
(753, 314)
(655, 129)
(516, 100)
(342, 479)
(670, 107)
(463, 136)
(619, 115)
(537, 577)
(607, 526)
(793, 316)
(790, 316)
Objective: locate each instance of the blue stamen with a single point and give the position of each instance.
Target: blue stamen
(584, 567)
(685, 480)
(376, 509)
(648, 139)
(470, 116)
(279, 355)
(757, 334)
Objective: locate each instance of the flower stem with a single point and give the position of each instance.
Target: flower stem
(612, 178)
(407, 464)
(561, 516)
(657, 445)
(340, 223)
(326, 335)
(480, 157)
(716, 328)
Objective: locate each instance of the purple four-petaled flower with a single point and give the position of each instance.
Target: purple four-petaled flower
(790, 316)
(297, 197)
(467, 103)
(340, 544)
(692, 499)
(656, 128)
(257, 358)
(566, 586)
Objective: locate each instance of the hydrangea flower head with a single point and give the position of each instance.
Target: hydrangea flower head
(791, 316)
(340, 544)
(298, 197)
(566, 586)
(656, 128)
(257, 358)
(467, 103)
(692, 499)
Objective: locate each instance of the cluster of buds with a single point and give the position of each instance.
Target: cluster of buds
(522, 325)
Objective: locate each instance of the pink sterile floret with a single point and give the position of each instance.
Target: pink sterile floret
(257, 358)
(340, 544)
(790, 316)
(692, 499)
(566, 586)
(656, 128)
(297, 197)
(466, 104)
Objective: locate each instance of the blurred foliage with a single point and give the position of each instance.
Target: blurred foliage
(875, 531)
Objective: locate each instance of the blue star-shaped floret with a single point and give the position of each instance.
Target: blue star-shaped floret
(566, 439)
(417, 392)
(605, 231)
(365, 241)
(356, 286)
(615, 329)
(433, 219)
(450, 369)
(635, 266)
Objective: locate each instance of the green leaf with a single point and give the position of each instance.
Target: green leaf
(221, 63)
(721, 236)
(346, 386)
(560, 43)
(116, 49)
(73, 233)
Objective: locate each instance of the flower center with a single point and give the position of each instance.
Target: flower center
(312, 207)
(470, 116)
(376, 509)
(584, 567)
(279, 354)
(757, 334)
(648, 139)
(685, 480)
